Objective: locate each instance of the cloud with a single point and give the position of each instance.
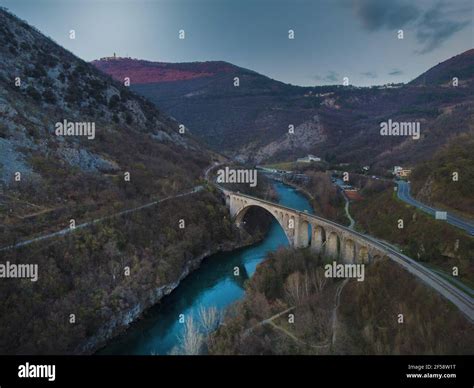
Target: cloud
(435, 28)
(369, 74)
(379, 14)
(331, 76)
(432, 26)
(395, 72)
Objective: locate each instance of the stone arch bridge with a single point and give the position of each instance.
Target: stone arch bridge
(306, 230)
(343, 244)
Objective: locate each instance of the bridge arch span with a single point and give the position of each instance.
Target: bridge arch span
(280, 217)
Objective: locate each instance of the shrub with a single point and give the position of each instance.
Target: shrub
(113, 102)
(49, 96)
(33, 93)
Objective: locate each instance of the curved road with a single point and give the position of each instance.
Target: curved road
(403, 193)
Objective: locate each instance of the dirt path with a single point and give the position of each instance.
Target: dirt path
(346, 208)
(97, 220)
(334, 322)
(334, 312)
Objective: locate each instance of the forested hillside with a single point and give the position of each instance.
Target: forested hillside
(447, 180)
(135, 153)
(94, 281)
(291, 308)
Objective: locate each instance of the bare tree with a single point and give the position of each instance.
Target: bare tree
(307, 288)
(294, 288)
(191, 340)
(318, 279)
(210, 318)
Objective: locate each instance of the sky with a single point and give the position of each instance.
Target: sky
(333, 39)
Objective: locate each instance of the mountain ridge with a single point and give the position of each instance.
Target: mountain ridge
(144, 71)
(251, 122)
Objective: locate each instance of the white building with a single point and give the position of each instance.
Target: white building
(401, 172)
(308, 159)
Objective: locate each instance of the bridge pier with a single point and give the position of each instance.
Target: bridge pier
(349, 252)
(301, 236)
(318, 239)
(333, 245)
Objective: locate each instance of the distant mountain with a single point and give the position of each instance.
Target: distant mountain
(145, 72)
(251, 122)
(202, 96)
(459, 66)
(42, 84)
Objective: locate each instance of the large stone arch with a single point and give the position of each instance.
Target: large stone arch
(239, 216)
(349, 255)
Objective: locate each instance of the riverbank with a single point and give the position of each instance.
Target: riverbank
(218, 283)
(121, 323)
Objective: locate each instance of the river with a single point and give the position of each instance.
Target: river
(213, 284)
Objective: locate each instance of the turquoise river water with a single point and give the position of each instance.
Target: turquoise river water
(213, 284)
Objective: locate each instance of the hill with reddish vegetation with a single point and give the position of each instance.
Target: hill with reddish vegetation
(144, 72)
(250, 121)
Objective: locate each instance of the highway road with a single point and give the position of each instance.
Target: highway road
(403, 192)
